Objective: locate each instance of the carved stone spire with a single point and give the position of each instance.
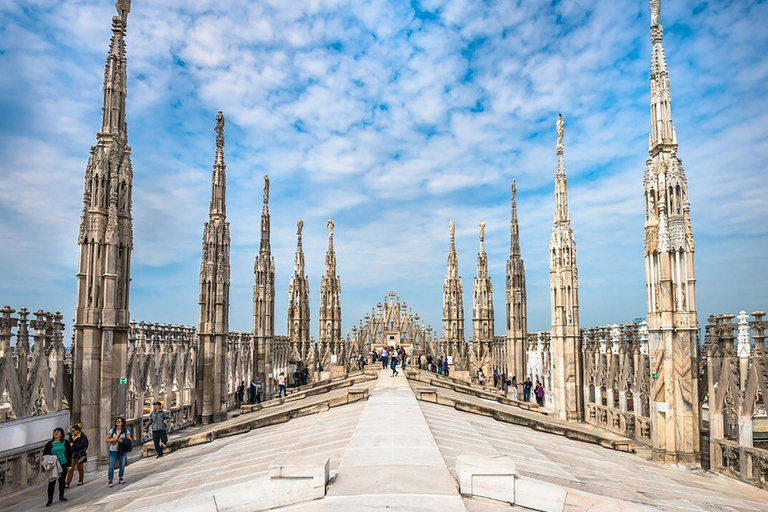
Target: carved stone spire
(218, 206)
(517, 324)
(670, 277)
(453, 301)
(264, 301)
(213, 321)
(330, 301)
(298, 301)
(106, 243)
(562, 214)
(566, 386)
(482, 304)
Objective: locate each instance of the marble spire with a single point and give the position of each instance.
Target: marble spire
(453, 300)
(213, 319)
(264, 301)
(329, 337)
(105, 245)
(482, 307)
(298, 301)
(567, 392)
(670, 278)
(517, 325)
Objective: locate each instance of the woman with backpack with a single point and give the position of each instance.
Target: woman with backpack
(120, 443)
(79, 453)
(59, 447)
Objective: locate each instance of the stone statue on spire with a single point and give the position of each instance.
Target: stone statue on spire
(330, 226)
(219, 129)
(266, 188)
(452, 228)
(655, 8)
(559, 127)
(123, 8)
(299, 227)
(482, 231)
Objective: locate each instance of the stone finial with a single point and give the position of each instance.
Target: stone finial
(219, 129)
(655, 11)
(743, 340)
(123, 7)
(559, 127)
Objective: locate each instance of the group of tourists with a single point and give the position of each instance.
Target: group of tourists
(67, 453)
(390, 357)
(437, 365)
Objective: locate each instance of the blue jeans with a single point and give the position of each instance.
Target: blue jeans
(113, 461)
(281, 390)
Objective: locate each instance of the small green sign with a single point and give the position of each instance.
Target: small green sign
(123, 380)
(653, 376)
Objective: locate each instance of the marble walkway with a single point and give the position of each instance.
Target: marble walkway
(397, 454)
(588, 467)
(392, 461)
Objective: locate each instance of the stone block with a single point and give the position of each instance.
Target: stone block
(356, 394)
(539, 495)
(428, 395)
(315, 468)
(487, 477)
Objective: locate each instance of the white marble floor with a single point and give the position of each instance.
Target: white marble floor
(588, 467)
(392, 461)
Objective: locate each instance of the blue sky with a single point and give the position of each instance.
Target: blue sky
(392, 117)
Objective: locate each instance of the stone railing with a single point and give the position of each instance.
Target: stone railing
(623, 423)
(616, 376)
(747, 464)
(161, 366)
(34, 390)
(737, 395)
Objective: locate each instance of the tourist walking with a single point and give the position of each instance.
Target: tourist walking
(258, 390)
(281, 385)
(120, 443)
(252, 392)
(304, 376)
(60, 448)
(405, 358)
(384, 357)
(539, 392)
(240, 393)
(361, 362)
(159, 419)
(296, 378)
(79, 443)
(527, 385)
(439, 365)
(513, 385)
(393, 363)
(445, 367)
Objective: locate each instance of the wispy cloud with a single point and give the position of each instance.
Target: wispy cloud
(392, 117)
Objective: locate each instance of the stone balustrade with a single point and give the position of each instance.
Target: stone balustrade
(35, 386)
(736, 370)
(616, 376)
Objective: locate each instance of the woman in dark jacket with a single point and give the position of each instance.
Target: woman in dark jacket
(79, 454)
(61, 448)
